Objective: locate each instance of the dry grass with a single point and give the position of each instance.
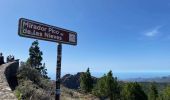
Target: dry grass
(70, 94)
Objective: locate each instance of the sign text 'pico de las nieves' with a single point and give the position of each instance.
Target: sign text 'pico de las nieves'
(37, 30)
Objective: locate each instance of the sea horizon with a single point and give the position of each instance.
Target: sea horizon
(122, 75)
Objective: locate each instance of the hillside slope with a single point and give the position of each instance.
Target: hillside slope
(71, 94)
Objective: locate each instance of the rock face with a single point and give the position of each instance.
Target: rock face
(73, 81)
(7, 73)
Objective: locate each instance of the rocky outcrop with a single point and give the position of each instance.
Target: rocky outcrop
(8, 80)
(73, 81)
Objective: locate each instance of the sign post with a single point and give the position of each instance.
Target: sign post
(32, 29)
(58, 71)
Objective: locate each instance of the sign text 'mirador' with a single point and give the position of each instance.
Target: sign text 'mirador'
(40, 28)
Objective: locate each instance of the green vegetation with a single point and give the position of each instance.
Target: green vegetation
(153, 92)
(18, 94)
(133, 91)
(34, 83)
(107, 86)
(35, 58)
(86, 82)
(112, 86)
(100, 88)
(165, 94)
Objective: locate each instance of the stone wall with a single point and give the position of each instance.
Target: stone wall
(8, 80)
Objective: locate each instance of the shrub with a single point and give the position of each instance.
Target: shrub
(27, 88)
(32, 85)
(18, 94)
(30, 91)
(27, 73)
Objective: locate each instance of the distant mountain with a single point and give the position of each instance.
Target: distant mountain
(165, 79)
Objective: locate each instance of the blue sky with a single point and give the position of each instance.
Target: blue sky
(117, 35)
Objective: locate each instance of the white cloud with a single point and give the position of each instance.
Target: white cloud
(153, 32)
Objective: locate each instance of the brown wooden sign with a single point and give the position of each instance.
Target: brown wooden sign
(37, 30)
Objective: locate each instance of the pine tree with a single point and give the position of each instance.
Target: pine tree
(44, 71)
(107, 87)
(133, 91)
(112, 86)
(35, 59)
(86, 81)
(35, 55)
(100, 88)
(153, 92)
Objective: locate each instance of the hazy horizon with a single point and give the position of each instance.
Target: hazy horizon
(122, 75)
